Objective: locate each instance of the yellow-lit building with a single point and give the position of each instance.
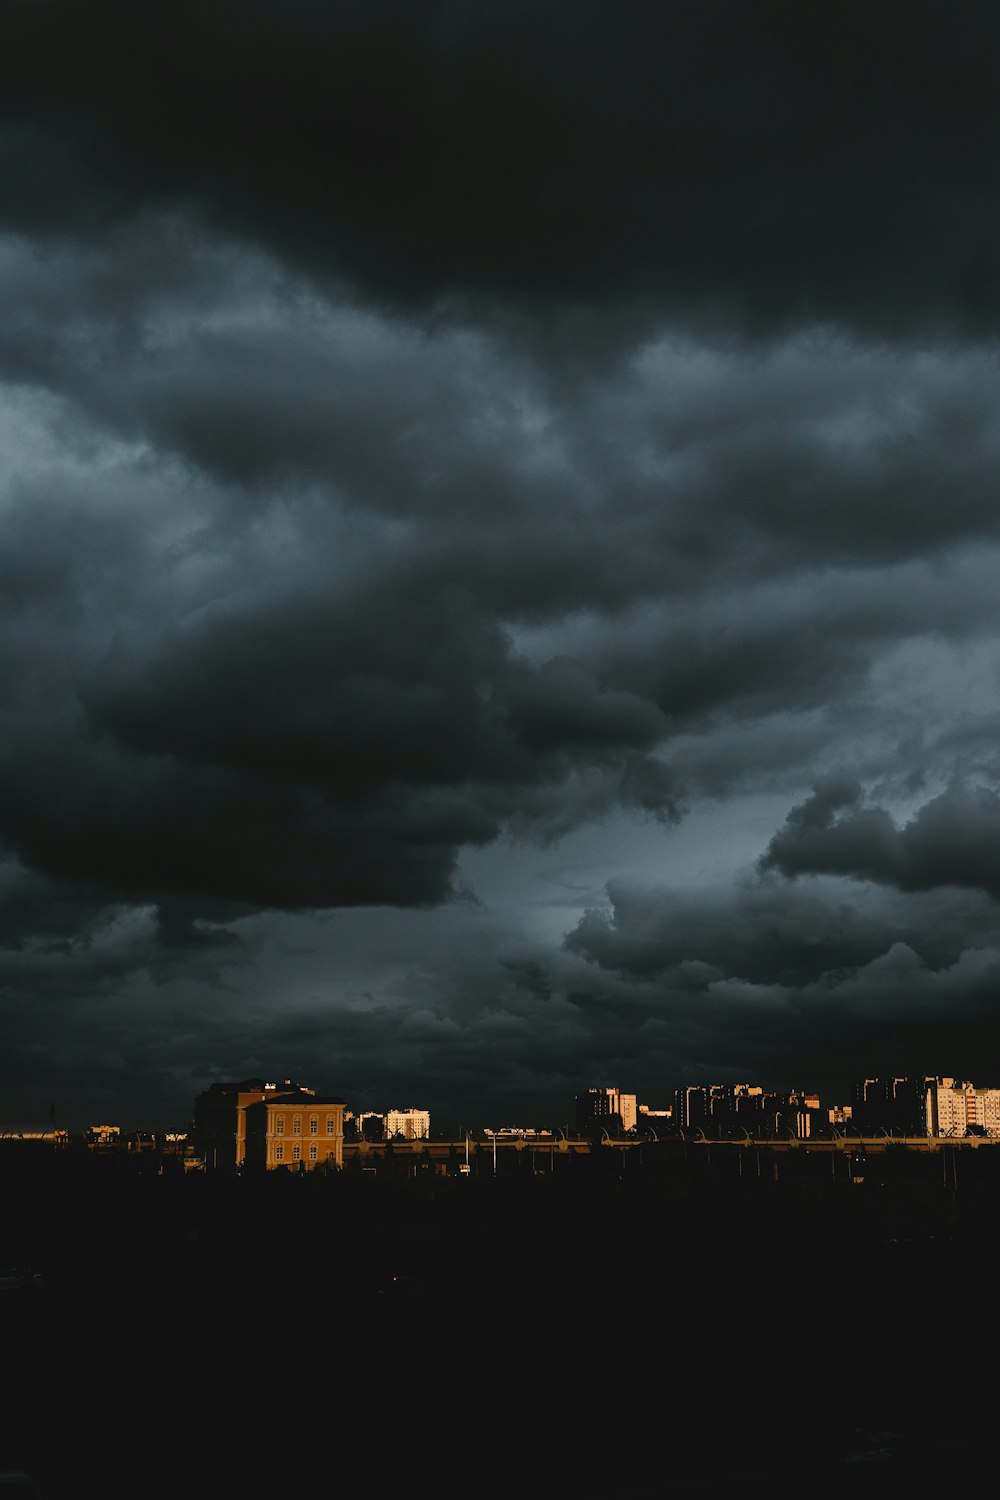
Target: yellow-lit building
(220, 1118)
(955, 1107)
(300, 1130)
(411, 1124)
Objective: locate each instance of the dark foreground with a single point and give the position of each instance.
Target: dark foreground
(534, 1338)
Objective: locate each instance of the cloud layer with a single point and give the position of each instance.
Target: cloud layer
(437, 429)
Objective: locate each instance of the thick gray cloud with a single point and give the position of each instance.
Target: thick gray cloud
(824, 982)
(445, 439)
(756, 166)
(950, 840)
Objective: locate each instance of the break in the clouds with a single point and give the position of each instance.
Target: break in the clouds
(513, 489)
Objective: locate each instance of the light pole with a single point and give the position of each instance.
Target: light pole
(834, 1150)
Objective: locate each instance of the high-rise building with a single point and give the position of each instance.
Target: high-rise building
(370, 1125)
(607, 1108)
(719, 1104)
(892, 1104)
(725, 1108)
(955, 1107)
(691, 1107)
(411, 1124)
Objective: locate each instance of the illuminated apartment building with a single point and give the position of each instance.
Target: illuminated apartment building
(955, 1107)
(607, 1107)
(411, 1124)
(220, 1119)
(301, 1130)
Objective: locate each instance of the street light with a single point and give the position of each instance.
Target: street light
(834, 1151)
(743, 1144)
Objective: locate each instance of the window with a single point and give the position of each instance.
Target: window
(297, 1125)
(279, 1153)
(313, 1125)
(279, 1124)
(329, 1124)
(313, 1151)
(296, 1153)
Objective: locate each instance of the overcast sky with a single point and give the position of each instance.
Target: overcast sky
(499, 549)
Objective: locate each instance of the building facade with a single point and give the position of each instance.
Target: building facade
(299, 1130)
(220, 1119)
(411, 1124)
(606, 1108)
(890, 1103)
(956, 1108)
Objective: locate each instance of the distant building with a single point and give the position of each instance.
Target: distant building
(411, 1124)
(370, 1126)
(691, 1106)
(300, 1129)
(727, 1108)
(606, 1108)
(790, 1113)
(721, 1105)
(220, 1119)
(50, 1135)
(958, 1108)
(891, 1104)
(746, 1106)
(176, 1143)
(104, 1137)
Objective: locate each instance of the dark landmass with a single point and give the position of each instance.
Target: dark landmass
(690, 1331)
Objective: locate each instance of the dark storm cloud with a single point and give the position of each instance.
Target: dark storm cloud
(292, 746)
(436, 431)
(82, 981)
(734, 163)
(818, 451)
(817, 983)
(386, 1014)
(413, 592)
(951, 840)
(766, 933)
(42, 912)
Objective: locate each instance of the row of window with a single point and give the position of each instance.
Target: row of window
(279, 1153)
(279, 1125)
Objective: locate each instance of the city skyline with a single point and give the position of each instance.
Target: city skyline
(888, 1098)
(498, 548)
